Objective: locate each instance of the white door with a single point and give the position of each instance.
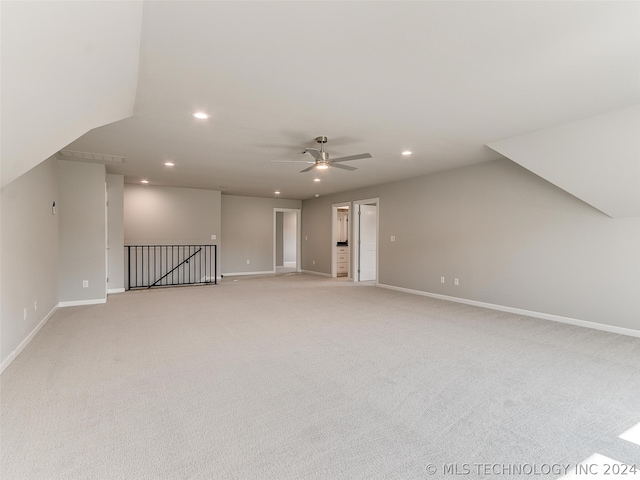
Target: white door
(367, 251)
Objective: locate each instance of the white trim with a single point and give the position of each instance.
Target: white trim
(12, 356)
(235, 274)
(519, 311)
(115, 290)
(76, 303)
(311, 272)
(7, 361)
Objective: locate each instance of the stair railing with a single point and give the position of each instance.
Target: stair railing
(171, 265)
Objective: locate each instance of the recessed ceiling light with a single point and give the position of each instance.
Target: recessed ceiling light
(316, 179)
(169, 164)
(407, 152)
(277, 193)
(144, 181)
(201, 115)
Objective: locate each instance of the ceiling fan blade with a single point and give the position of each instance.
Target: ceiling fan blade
(344, 167)
(314, 153)
(351, 157)
(308, 168)
(292, 161)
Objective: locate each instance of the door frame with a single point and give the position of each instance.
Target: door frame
(355, 263)
(298, 213)
(334, 237)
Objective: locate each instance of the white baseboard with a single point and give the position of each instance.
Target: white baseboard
(115, 290)
(236, 274)
(75, 303)
(311, 272)
(7, 361)
(519, 311)
(27, 340)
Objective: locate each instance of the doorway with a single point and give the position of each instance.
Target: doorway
(366, 240)
(286, 241)
(340, 234)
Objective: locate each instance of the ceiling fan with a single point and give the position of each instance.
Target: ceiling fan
(321, 158)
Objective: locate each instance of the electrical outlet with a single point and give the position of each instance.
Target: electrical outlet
(85, 283)
(248, 261)
(441, 279)
(306, 237)
(24, 316)
(213, 237)
(393, 238)
(35, 305)
(456, 282)
(314, 262)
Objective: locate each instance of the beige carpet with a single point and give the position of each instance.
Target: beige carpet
(302, 377)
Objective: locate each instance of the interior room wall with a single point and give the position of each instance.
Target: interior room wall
(115, 234)
(247, 223)
(316, 233)
(511, 238)
(289, 237)
(29, 267)
(156, 215)
(82, 232)
(279, 239)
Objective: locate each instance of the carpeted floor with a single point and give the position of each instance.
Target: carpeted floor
(303, 377)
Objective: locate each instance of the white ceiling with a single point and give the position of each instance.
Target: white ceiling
(54, 82)
(442, 79)
(596, 159)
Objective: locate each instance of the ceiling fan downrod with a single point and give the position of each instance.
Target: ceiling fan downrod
(323, 162)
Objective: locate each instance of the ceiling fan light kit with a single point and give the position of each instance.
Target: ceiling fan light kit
(321, 158)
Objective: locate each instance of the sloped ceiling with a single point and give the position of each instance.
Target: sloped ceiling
(442, 79)
(596, 159)
(67, 67)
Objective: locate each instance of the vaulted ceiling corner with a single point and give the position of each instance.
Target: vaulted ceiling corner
(596, 159)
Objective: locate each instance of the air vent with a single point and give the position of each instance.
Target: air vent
(88, 156)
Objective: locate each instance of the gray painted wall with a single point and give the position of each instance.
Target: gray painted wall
(289, 236)
(279, 239)
(82, 217)
(247, 223)
(115, 234)
(29, 245)
(156, 215)
(512, 239)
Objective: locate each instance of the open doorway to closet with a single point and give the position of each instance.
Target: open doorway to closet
(340, 233)
(286, 228)
(365, 245)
